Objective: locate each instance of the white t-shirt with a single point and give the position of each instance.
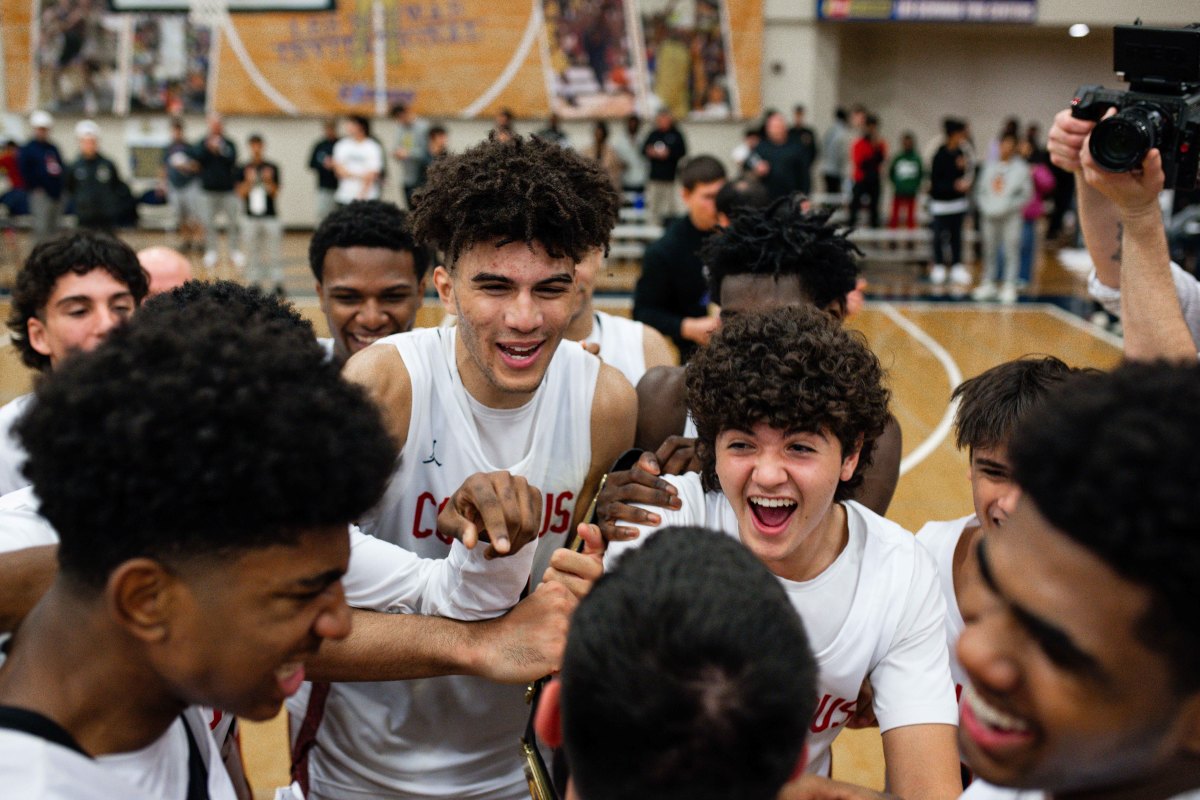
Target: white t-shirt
(980, 790)
(453, 736)
(621, 344)
(12, 455)
(32, 768)
(941, 540)
(358, 159)
(893, 628)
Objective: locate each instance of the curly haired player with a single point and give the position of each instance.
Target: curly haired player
(788, 406)
(495, 392)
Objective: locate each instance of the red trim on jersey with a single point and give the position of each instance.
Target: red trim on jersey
(307, 735)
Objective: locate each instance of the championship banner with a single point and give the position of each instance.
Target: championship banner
(1012, 11)
(448, 58)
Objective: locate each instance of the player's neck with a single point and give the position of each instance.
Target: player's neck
(962, 565)
(71, 665)
(1170, 780)
(821, 548)
(583, 322)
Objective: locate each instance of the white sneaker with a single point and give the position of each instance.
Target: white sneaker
(210, 258)
(960, 275)
(239, 258)
(937, 274)
(984, 291)
(1008, 294)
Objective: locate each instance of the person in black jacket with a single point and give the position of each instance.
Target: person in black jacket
(42, 169)
(672, 294)
(93, 182)
(217, 156)
(665, 147)
(321, 162)
(948, 205)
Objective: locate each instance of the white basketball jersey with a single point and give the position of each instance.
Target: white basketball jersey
(453, 736)
(941, 540)
(621, 344)
(892, 633)
(12, 455)
(980, 790)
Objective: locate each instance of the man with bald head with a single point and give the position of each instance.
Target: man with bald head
(166, 267)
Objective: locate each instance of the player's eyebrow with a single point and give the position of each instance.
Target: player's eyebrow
(1056, 643)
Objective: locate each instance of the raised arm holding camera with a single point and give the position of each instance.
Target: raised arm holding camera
(1144, 138)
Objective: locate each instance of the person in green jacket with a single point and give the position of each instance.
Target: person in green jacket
(906, 173)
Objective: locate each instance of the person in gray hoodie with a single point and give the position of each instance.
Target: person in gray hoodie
(1001, 192)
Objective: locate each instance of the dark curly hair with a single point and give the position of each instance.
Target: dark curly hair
(367, 223)
(522, 190)
(209, 423)
(991, 404)
(782, 240)
(80, 252)
(687, 674)
(795, 369)
(1110, 461)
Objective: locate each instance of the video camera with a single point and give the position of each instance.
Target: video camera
(1161, 108)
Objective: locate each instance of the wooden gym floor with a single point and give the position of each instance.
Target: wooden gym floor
(927, 348)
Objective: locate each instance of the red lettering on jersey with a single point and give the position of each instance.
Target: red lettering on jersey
(958, 687)
(420, 532)
(564, 516)
(216, 720)
(823, 717)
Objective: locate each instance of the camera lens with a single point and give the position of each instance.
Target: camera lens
(1120, 143)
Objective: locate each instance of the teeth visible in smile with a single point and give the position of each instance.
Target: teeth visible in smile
(772, 502)
(993, 717)
(367, 339)
(288, 670)
(519, 351)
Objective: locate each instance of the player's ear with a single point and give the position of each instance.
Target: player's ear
(1190, 715)
(850, 460)
(443, 281)
(548, 720)
(141, 594)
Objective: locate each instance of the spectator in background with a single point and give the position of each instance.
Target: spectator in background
(503, 129)
(665, 147)
(93, 183)
(553, 133)
(625, 145)
(743, 155)
(1043, 188)
(868, 155)
(781, 161)
(412, 148)
(183, 190)
(438, 149)
(605, 155)
(42, 170)
(321, 162)
(835, 152)
(358, 162)
(1003, 189)
(259, 188)
(167, 269)
(217, 156)
(672, 294)
(948, 205)
(12, 195)
(807, 139)
(906, 173)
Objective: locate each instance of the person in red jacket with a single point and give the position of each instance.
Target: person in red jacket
(868, 155)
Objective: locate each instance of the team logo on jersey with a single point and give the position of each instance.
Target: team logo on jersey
(432, 455)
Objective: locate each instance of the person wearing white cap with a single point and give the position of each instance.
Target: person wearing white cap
(93, 182)
(42, 168)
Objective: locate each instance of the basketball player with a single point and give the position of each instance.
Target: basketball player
(687, 675)
(493, 392)
(767, 258)
(1082, 637)
(787, 406)
(194, 570)
(370, 272)
(72, 291)
(990, 407)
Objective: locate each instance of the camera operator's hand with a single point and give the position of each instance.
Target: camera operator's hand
(1067, 140)
(1134, 192)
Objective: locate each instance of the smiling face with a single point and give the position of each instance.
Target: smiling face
(781, 486)
(80, 312)
(241, 629)
(368, 293)
(1065, 696)
(993, 490)
(513, 305)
